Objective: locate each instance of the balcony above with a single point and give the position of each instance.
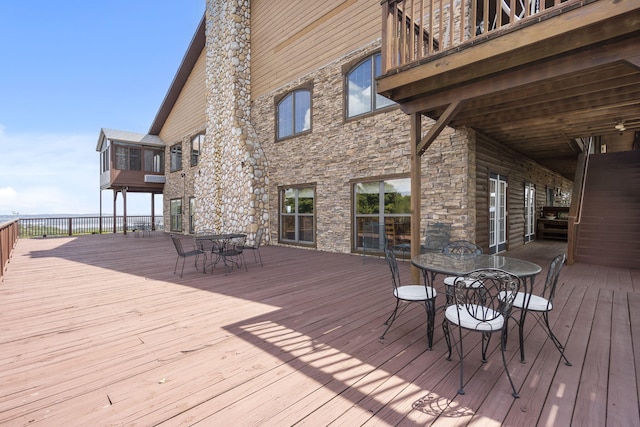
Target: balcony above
(537, 77)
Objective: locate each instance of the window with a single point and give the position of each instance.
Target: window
(176, 157)
(192, 209)
(361, 88)
(294, 114)
(196, 144)
(297, 215)
(386, 203)
(153, 160)
(175, 211)
(105, 159)
(497, 213)
(128, 158)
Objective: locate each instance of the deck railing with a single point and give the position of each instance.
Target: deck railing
(416, 29)
(8, 239)
(69, 226)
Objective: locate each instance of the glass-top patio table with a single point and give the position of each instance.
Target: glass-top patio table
(432, 264)
(220, 243)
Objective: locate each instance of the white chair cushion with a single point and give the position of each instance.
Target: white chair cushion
(415, 292)
(536, 303)
(451, 280)
(467, 321)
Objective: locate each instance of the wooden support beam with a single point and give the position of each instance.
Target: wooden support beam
(416, 190)
(440, 124)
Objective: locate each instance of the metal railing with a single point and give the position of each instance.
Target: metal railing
(416, 29)
(70, 226)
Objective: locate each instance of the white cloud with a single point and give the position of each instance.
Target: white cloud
(55, 174)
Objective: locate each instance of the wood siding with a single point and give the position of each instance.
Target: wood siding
(493, 157)
(189, 112)
(287, 44)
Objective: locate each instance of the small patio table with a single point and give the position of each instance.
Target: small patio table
(220, 242)
(431, 264)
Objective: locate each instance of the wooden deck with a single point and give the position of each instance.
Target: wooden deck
(97, 330)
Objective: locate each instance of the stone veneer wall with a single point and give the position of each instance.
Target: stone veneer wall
(337, 152)
(231, 194)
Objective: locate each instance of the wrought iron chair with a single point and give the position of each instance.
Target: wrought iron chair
(255, 248)
(436, 236)
(458, 248)
(541, 305)
(407, 293)
(484, 306)
(233, 253)
(184, 255)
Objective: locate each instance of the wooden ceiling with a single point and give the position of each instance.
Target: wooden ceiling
(538, 99)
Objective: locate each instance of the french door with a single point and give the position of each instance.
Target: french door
(497, 213)
(529, 211)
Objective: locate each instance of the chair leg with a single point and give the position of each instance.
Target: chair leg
(429, 305)
(391, 319)
(461, 354)
(555, 339)
(182, 271)
(176, 266)
(503, 348)
(259, 256)
(445, 330)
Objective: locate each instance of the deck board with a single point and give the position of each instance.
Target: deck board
(97, 330)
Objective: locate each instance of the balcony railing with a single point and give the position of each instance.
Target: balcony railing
(70, 226)
(413, 30)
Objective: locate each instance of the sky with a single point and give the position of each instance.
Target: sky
(69, 68)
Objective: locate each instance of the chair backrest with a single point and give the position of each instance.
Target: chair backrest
(485, 294)
(553, 274)
(258, 238)
(462, 247)
(178, 244)
(437, 235)
(390, 256)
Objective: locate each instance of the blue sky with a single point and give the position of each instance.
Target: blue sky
(69, 68)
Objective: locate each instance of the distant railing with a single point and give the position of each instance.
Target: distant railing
(8, 239)
(415, 29)
(70, 226)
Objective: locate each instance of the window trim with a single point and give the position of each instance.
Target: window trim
(177, 226)
(347, 69)
(281, 191)
(308, 87)
(171, 157)
(200, 139)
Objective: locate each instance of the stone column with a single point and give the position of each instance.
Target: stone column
(232, 188)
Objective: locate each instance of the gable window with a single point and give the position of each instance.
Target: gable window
(196, 145)
(176, 157)
(294, 114)
(128, 158)
(362, 97)
(297, 215)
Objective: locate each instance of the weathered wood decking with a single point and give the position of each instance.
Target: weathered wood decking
(97, 330)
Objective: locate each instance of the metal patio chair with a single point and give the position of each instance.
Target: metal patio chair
(255, 248)
(407, 293)
(482, 306)
(184, 255)
(458, 248)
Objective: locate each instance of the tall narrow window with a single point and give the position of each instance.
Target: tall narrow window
(362, 96)
(294, 114)
(176, 157)
(175, 211)
(529, 211)
(497, 213)
(196, 145)
(297, 215)
(192, 209)
(153, 160)
(382, 211)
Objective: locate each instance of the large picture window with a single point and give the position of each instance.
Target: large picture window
(153, 160)
(382, 211)
(175, 212)
(297, 215)
(294, 114)
(362, 97)
(176, 157)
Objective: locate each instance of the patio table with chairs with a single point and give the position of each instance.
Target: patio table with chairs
(223, 247)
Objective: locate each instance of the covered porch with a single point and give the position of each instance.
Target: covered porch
(98, 330)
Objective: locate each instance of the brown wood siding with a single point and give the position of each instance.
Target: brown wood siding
(189, 112)
(493, 157)
(287, 44)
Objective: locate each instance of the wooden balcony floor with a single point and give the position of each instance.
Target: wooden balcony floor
(97, 330)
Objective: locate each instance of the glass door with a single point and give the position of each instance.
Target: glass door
(529, 212)
(497, 213)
